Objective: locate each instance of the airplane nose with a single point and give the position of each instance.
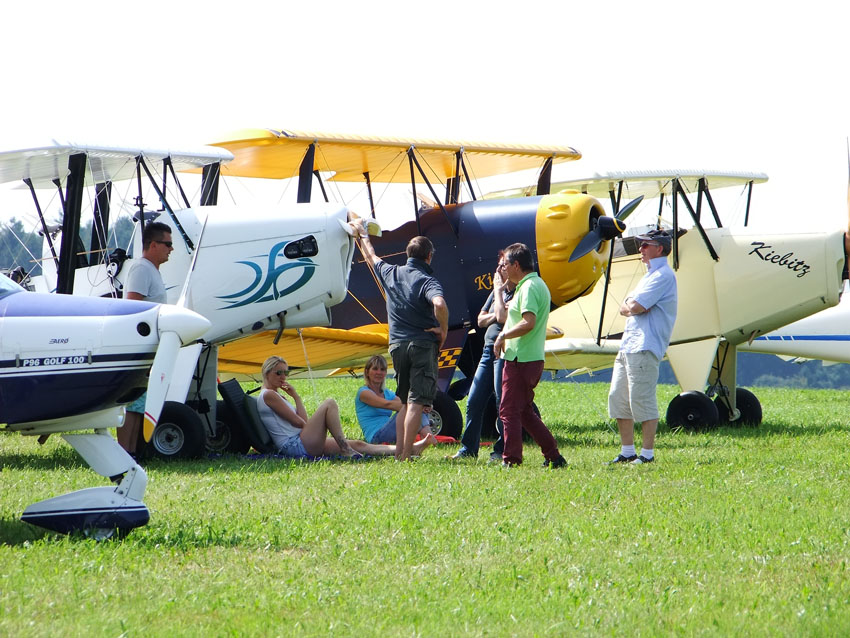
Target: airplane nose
(185, 323)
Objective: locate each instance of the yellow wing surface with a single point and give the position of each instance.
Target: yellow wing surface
(322, 348)
(277, 154)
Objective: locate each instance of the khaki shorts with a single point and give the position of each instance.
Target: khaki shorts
(415, 364)
(633, 384)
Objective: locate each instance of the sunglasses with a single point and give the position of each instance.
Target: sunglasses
(281, 373)
(167, 243)
(649, 243)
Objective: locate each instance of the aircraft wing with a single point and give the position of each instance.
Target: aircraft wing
(42, 164)
(580, 355)
(278, 154)
(647, 183)
(326, 349)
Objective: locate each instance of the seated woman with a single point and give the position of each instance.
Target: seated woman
(377, 407)
(298, 435)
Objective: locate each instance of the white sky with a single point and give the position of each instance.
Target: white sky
(633, 85)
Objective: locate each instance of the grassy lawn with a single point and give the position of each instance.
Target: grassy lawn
(732, 532)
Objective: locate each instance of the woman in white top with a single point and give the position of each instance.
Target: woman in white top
(294, 432)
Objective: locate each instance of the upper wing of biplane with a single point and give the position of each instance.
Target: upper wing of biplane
(647, 183)
(266, 153)
(280, 154)
(44, 164)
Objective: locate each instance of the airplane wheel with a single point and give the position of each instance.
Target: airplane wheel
(692, 411)
(446, 419)
(488, 424)
(229, 436)
(179, 434)
(747, 403)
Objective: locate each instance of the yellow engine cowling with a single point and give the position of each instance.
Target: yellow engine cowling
(563, 219)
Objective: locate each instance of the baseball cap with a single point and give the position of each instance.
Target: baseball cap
(661, 237)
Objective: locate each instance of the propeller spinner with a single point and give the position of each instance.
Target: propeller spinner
(603, 229)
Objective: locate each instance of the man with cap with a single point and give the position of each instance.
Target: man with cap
(651, 312)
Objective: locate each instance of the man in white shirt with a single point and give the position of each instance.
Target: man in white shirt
(144, 283)
(651, 311)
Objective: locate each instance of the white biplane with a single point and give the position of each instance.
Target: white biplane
(253, 267)
(735, 285)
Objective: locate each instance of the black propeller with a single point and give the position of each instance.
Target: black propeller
(604, 228)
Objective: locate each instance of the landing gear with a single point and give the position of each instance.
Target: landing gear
(446, 419)
(179, 434)
(692, 410)
(748, 406)
(229, 436)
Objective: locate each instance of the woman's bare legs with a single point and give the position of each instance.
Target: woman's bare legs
(314, 434)
(371, 449)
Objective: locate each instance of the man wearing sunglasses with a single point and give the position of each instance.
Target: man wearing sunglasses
(651, 312)
(144, 283)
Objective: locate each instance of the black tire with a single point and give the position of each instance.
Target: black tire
(488, 423)
(446, 419)
(179, 434)
(229, 435)
(692, 411)
(747, 403)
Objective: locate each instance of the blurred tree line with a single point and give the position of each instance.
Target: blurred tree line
(757, 370)
(19, 247)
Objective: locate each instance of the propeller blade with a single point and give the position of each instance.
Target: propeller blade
(590, 242)
(160, 377)
(176, 327)
(606, 228)
(629, 208)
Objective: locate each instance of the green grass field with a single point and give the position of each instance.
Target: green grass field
(730, 533)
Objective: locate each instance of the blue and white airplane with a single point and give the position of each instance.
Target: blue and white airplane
(824, 336)
(70, 363)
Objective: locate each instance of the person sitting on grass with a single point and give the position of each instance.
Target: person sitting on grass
(298, 435)
(377, 408)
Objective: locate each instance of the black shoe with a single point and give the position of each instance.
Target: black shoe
(558, 462)
(641, 460)
(624, 459)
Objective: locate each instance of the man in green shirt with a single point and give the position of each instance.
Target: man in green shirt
(520, 344)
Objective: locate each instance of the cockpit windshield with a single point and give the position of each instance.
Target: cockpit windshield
(8, 287)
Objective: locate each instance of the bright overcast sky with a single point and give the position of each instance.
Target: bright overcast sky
(632, 85)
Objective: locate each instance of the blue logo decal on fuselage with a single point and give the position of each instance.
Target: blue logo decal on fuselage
(266, 289)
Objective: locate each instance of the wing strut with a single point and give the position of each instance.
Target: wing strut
(369, 190)
(544, 182)
(677, 190)
(412, 157)
(100, 224)
(749, 199)
(46, 232)
(73, 204)
(305, 175)
(167, 164)
(703, 188)
(141, 162)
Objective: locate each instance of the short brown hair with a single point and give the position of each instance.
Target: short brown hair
(420, 248)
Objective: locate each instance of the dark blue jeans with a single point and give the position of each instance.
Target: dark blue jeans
(480, 391)
(498, 366)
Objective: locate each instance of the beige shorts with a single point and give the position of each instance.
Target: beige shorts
(633, 384)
